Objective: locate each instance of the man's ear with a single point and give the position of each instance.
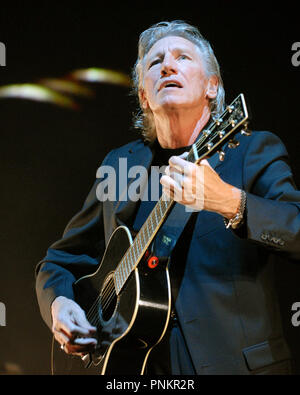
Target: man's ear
(143, 99)
(212, 87)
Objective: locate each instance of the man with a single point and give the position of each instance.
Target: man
(226, 316)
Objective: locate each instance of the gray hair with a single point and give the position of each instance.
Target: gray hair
(143, 119)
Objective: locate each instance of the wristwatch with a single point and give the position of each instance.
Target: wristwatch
(238, 219)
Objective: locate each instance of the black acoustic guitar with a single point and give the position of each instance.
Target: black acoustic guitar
(128, 298)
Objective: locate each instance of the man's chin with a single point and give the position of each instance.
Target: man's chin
(172, 103)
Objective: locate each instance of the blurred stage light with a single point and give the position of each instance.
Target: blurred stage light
(66, 86)
(99, 75)
(38, 93)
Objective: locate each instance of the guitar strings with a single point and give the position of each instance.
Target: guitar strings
(95, 319)
(105, 297)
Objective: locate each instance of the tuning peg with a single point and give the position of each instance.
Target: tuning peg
(221, 155)
(246, 132)
(206, 132)
(233, 144)
(209, 145)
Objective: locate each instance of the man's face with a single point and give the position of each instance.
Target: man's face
(174, 76)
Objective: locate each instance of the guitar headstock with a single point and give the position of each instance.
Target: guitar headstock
(234, 119)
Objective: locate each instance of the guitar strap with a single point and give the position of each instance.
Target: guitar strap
(169, 233)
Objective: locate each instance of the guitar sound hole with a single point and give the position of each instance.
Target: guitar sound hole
(108, 299)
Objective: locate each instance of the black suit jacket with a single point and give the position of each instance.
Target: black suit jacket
(227, 303)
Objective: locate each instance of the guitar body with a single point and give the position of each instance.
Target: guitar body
(129, 324)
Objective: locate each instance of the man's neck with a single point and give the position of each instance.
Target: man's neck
(180, 130)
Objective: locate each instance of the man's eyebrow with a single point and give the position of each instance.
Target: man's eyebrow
(160, 54)
(181, 49)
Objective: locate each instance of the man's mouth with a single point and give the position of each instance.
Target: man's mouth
(170, 84)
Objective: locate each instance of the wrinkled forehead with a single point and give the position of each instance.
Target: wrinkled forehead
(172, 43)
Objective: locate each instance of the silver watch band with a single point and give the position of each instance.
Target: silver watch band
(237, 220)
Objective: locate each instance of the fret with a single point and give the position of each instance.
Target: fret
(118, 275)
(134, 251)
(137, 245)
(147, 228)
(144, 236)
(123, 262)
(151, 223)
(143, 241)
(140, 242)
(133, 260)
(130, 259)
(117, 281)
(160, 209)
(123, 267)
(120, 278)
(127, 266)
(156, 217)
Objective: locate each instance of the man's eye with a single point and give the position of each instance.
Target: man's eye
(183, 57)
(154, 62)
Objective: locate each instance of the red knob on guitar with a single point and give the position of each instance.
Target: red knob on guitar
(153, 262)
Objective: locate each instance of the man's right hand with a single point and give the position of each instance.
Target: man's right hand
(71, 328)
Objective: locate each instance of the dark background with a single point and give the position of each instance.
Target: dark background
(49, 155)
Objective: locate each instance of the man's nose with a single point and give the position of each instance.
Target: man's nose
(168, 66)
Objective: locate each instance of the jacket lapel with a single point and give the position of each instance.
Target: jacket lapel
(140, 155)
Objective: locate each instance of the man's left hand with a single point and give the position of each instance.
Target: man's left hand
(199, 187)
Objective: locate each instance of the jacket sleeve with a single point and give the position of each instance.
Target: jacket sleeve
(77, 253)
(273, 201)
